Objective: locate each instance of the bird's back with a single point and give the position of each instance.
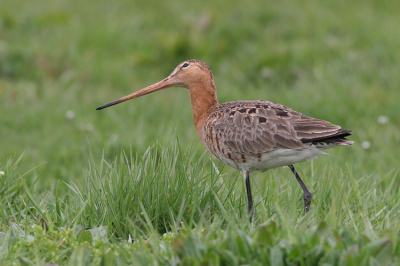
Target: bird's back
(260, 135)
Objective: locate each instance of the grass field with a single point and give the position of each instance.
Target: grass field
(133, 185)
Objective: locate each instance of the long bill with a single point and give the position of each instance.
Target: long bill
(152, 88)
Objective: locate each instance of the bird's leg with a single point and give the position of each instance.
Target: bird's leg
(307, 194)
(249, 197)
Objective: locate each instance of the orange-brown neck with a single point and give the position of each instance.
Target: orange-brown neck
(203, 97)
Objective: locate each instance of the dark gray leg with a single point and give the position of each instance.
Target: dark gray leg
(249, 197)
(307, 194)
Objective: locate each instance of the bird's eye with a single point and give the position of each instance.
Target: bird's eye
(185, 65)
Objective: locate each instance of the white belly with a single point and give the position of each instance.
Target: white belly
(275, 158)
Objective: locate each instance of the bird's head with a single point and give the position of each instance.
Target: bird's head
(187, 74)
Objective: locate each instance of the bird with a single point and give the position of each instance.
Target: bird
(253, 135)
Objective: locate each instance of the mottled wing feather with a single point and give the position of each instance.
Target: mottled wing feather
(254, 127)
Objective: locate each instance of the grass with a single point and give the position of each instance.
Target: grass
(164, 208)
(136, 194)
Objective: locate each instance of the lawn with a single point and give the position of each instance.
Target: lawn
(133, 185)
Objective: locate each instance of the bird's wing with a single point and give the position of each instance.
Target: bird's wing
(253, 127)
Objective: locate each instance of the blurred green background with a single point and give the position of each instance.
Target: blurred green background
(59, 60)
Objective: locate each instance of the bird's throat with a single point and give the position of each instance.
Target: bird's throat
(204, 100)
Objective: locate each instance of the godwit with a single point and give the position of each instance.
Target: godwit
(249, 135)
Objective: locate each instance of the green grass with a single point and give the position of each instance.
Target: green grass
(165, 208)
(149, 198)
